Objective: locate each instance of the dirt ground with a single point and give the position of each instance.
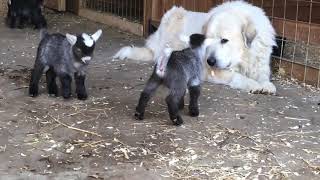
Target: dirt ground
(237, 135)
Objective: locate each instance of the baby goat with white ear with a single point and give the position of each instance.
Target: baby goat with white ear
(63, 56)
(184, 70)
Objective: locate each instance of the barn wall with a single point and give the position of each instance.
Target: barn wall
(159, 7)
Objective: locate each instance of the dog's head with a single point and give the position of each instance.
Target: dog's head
(83, 45)
(231, 36)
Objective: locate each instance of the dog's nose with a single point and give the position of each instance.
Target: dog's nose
(211, 61)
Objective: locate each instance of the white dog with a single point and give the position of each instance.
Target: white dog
(239, 55)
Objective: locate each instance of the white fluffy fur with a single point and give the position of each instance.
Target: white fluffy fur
(240, 22)
(243, 62)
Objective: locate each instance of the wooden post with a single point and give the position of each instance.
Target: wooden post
(59, 5)
(147, 13)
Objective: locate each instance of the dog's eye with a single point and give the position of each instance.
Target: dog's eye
(223, 41)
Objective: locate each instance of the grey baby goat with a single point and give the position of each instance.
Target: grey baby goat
(184, 70)
(63, 56)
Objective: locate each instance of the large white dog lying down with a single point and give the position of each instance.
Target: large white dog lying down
(239, 55)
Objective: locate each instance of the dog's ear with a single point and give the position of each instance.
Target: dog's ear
(249, 32)
(196, 40)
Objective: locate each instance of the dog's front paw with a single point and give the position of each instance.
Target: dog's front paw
(264, 88)
(268, 88)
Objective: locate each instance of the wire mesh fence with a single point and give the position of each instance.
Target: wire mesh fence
(131, 10)
(297, 23)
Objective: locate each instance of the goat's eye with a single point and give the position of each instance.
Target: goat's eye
(223, 41)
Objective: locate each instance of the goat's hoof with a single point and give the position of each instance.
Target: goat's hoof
(33, 92)
(194, 112)
(53, 95)
(139, 116)
(82, 97)
(66, 96)
(177, 121)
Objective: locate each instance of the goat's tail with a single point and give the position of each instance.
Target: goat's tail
(43, 33)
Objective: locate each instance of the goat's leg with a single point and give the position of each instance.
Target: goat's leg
(80, 86)
(65, 80)
(36, 74)
(194, 96)
(151, 86)
(181, 102)
(173, 100)
(13, 19)
(51, 82)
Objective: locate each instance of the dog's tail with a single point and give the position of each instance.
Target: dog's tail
(43, 33)
(134, 53)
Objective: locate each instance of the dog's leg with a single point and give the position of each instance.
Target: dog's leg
(35, 78)
(151, 86)
(194, 96)
(65, 80)
(240, 81)
(80, 86)
(267, 87)
(51, 82)
(237, 81)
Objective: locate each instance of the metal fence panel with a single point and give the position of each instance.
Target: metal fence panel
(131, 10)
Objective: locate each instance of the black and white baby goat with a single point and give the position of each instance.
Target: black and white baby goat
(184, 70)
(63, 56)
(22, 12)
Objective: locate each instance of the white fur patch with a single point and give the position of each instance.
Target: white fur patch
(85, 59)
(46, 68)
(77, 65)
(184, 38)
(88, 41)
(207, 42)
(9, 2)
(162, 61)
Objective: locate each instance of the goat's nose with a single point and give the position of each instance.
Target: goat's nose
(211, 61)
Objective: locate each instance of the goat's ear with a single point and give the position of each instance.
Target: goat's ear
(72, 39)
(96, 35)
(249, 32)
